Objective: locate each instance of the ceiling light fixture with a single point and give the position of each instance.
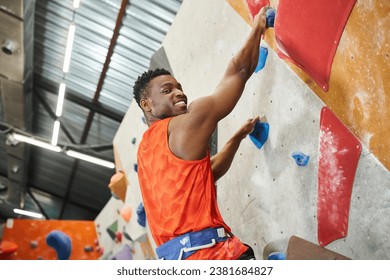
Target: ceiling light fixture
(69, 46)
(28, 213)
(85, 157)
(56, 130)
(60, 101)
(35, 142)
(55, 148)
(76, 3)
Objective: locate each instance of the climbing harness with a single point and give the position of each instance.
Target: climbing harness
(185, 245)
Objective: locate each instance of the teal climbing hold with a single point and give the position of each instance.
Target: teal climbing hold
(127, 236)
(259, 135)
(112, 229)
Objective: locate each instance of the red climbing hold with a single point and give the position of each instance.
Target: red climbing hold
(254, 6)
(308, 33)
(7, 247)
(118, 236)
(338, 159)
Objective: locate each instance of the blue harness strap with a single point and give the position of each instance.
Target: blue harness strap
(183, 246)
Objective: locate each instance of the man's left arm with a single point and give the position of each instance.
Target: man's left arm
(221, 162)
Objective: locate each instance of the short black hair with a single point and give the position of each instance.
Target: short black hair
(142, 82)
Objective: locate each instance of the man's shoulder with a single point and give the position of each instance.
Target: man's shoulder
(179, 120)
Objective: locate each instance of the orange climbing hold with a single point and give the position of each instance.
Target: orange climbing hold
(118, 185)
(126, 213)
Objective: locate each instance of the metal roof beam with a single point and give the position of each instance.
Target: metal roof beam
(38, 94)
(106, 65)
(75, 97)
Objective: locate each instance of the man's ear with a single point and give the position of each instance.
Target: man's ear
(145, 105)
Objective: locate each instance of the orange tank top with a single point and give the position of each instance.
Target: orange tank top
(179, 196)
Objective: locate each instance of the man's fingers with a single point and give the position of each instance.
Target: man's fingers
(255, 120)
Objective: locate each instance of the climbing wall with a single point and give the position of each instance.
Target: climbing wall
(267, 196)
(322, 174)
(358, 86)
(50, 240)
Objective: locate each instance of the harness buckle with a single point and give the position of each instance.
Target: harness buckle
(196, 248)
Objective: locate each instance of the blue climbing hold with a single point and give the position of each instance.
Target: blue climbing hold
(300, 158)
(61, 243)
(270, 17)
(277, 256)
(263, 54)
(259, 135)
(143, 120)
(135, 167)
(133, 140)
(141, 215)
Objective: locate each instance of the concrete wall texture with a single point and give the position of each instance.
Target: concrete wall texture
(265, 197)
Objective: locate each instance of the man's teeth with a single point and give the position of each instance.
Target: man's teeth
(180, 103)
